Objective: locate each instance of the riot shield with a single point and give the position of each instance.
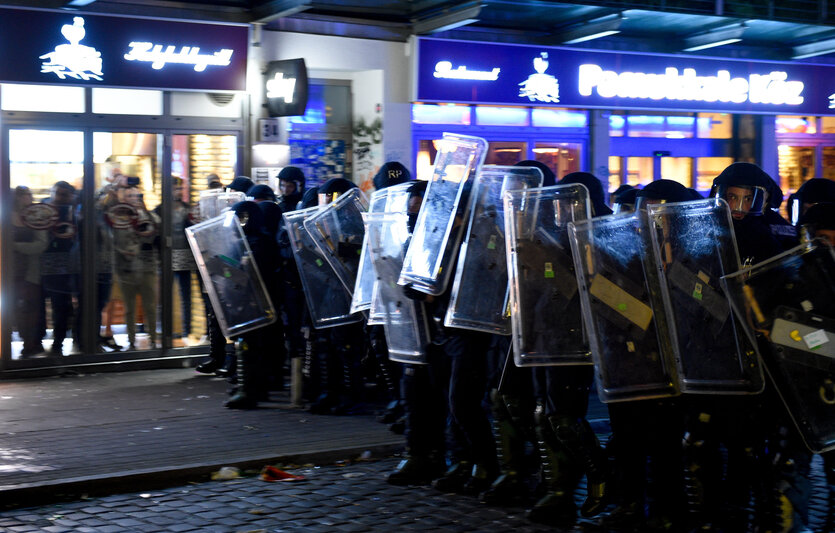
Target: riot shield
(337, 230)
(789, 301)
(480, 286)
(397, 196)
(230, 275)
(440, 223)
(405, 321)
(623, 311)
(327, 300)
(693, 247)
(544, 306)
(214, 201)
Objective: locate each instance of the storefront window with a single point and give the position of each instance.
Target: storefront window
(441, 114)
(639, 171)
(548, 117)
(501, 116)
(796, 165)
(795, 124)
(562, 158)
(617, 125)
(827, 124)
(39, 158)
(614, 173)
(707, 168)
(327, 104)
(41, 98)
(828, 162)
(678, 169)
(661, 126)
(714, 126)
(127, 102)
(505, 153)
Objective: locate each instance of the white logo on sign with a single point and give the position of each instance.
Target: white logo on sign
(158, 56)
(540, 87)
(73, 60)
(281, 87)
(443, 69)
(772, 88)
(832, 101)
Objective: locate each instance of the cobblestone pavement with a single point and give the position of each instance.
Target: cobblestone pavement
(330, 499)
(354, 497)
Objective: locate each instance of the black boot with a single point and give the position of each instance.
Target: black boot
(509, 488)
(581, 442)
(559, 476)
(246, 396)
(455, 478)
(417, 470)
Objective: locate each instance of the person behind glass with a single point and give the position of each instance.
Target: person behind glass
(135, 262)
(471, 451)
(569, 447)
(343, 345)
(106, 198)
(290, 301)
(264, 197)
(251, 347)
(59, 263)
(217, 362)
(765, 452)
(30, 241)
(390, 173)
(424, 397)
(180, 251)
(647, 451)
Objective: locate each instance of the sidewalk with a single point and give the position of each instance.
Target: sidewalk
(98, 433)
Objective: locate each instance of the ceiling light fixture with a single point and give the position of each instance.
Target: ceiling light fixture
(818, 48)
(714, 38)
(593, 29)
(449, 20)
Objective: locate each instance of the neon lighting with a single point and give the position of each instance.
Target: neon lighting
(73, 60)
(832, 101)
(443, 69)
(188, 55)
(773, 88)
(281, 87)
(540, 87)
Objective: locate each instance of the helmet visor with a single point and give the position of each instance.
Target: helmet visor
(743, 200)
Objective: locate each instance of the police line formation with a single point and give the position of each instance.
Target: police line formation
(707, 326)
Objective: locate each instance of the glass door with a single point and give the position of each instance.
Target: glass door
(128, 240)
(41, 282)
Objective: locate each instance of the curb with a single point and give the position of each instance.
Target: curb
(36, 494)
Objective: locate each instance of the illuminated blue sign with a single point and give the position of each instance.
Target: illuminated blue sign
(458, 71)
(109, 51)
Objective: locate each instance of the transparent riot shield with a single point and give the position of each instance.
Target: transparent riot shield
(480, 286)
(443, 214)
(397, 196)
(337, 230)
(405, 321)
(788, 304)
(544, 306)
(623, 310)
(328, 303)
(693, 247)
(214, 201)
(230, 275)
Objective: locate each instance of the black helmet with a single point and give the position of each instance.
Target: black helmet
(624, 198)
(595, 190)
(310, 198)
(548, 176)
(391, 173)
(333, 188)
(295, 175)
(241, 184)
(814, 191)
(662, 191)
(251, 217)
(261, 192)
(745, 187)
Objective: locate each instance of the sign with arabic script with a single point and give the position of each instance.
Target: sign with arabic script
(57, 47)
(511, 74)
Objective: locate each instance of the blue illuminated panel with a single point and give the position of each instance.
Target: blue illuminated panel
(441, 114)
(559, 118)
(508, 74)
(501, 116)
